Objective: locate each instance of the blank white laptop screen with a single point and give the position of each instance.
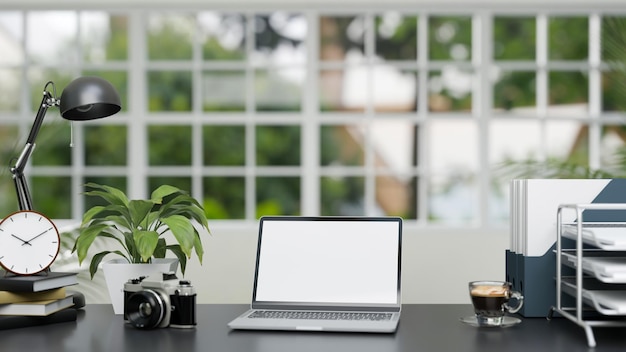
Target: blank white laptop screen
(328, 262)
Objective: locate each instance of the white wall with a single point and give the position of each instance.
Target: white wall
(437, 264)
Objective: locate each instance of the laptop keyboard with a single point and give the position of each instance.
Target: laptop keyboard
(314, 315)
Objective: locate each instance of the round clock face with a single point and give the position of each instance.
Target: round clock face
(29, 242)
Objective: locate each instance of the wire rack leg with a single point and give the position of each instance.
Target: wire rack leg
(591, 340)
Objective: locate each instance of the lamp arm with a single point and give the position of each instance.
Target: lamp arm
(21, 187)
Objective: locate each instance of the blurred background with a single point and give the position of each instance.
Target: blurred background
(421, 110)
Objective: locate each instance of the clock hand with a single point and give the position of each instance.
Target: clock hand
(25, 242)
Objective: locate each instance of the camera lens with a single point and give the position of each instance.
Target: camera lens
(145, 309)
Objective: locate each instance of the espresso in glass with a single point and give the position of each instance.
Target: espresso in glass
(491, 300)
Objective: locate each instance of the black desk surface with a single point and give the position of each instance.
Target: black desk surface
(422, 328)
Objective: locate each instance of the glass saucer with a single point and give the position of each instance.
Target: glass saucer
(506, 322)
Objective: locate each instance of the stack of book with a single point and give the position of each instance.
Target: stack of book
(36, 300)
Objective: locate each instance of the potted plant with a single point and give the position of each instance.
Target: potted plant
(138, 228)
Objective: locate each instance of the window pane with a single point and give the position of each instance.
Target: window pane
(169, 91)
(397, 196)
(568, 38)
(396, 36)
(104, 37)
(183, 183)
(342, 38)
(568, 141)
(10, 148)
(613, 88)
(568, 88)
(170, 37)
(38, 79)
(224, 145)
(279, 90)
(278, 145)
(514, 38)
(515, 90)
(397, 154)
(613, 149)
(450, 89)
(453, 147)
(402, 98)
(169, 145)
(10, 89)
(450, 38)
(277, 196)
(513, 140)
(49, 192)
(223, 35)
(613, 52)
(280, 38)
(11, 25)
(612, 42)
(59, 44)
(342, 196)
(341, 145)
(224, 90)
(565, 153)
(113, 181)
(224, 197)
(105, 145)
(452, 200)
(341, 90)
(53, 144)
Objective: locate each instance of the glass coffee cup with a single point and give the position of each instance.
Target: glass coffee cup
(492, 299)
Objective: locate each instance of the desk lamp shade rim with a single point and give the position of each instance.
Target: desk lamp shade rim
(88, 98)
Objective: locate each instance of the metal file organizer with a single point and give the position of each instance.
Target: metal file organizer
(598, 261)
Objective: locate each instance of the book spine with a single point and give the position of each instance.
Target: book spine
(16, 297)
(19, 321)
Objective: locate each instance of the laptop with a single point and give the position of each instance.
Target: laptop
(326, 274)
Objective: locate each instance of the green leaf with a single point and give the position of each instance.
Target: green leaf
(120, 222)
(182, 258)
(197, 245)
(110, 194)
(89, 214)
(138, 210)
(86, 238)
(183, 231)
(161, 248)
(95, 261)
(186, 206)
(146, 242)
(162, 192)
(131, 247)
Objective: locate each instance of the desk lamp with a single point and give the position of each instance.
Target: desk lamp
(85, 98)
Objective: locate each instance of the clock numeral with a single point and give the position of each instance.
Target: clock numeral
(40, 266)
(26, 270)
(50, 255)
(40, 218)
(11, 219)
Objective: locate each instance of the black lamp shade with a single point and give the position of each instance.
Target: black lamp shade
(88, 98)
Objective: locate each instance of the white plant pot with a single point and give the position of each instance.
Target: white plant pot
(118, 271)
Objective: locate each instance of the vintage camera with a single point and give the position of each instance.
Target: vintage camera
(159, 301)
